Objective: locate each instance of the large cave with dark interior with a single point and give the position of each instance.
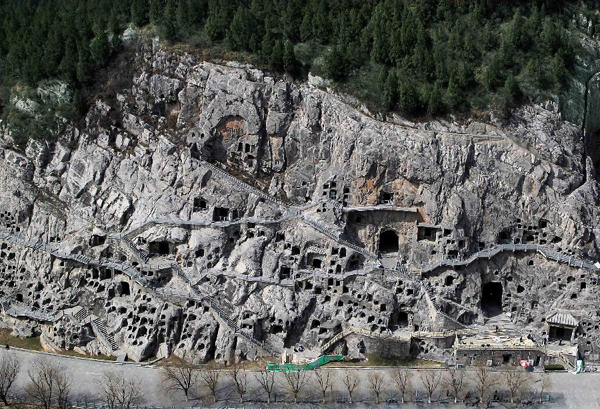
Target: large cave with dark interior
(388, 242)
(491, 299)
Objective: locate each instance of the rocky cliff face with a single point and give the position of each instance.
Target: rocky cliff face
(218, 212)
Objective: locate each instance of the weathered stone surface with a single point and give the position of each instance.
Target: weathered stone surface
(452, 189)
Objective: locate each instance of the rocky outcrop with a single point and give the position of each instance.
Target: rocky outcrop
(270, 202)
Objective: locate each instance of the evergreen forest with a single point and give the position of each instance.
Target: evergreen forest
(416, 57)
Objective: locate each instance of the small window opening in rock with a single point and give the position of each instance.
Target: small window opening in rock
(199, 204)
(161, 248)
(220, 214)
(316, 263)
(583, 286)
(543, 224)
(97, 240)
(200, 253)
(449, 280)
(520, 289)
(386, 198)
(285, 272)
(504, 236)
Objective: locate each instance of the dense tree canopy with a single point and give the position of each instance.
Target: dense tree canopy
(427, 56)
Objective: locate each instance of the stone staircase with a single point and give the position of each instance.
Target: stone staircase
(122, 267)
(431, 295)
(545, 251)
(81, 315)
(18, 309)
(102, 333)
(139, 254)
(243, 185)
(195, 224)
(328, 231)
(222, 315)
(336, 338)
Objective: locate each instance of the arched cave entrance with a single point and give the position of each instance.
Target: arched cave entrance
(491, 299)
(402, 319)
(388, 242)
(125, 290)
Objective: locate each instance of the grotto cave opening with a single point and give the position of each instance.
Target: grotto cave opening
(388, 242)
(491, 299)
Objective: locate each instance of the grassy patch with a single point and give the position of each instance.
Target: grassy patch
(32, 343)
(259, 364)
(78, 355)
(378, 360)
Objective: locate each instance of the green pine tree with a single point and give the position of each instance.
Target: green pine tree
(183, 16)
(83, 63)
(276, 58)
(68, 64)
(408, 99)
(113, 21)
(335, 64)
(217, 22)
(453, 97)
(53, 53)
(290, 63)
(139, 12)
(100, 49)
(168, 24)
(390, 91)
(435, 105)
(240, 31)
(156, 11)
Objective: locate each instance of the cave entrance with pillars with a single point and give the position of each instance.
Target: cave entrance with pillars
(388, 242)
(491, 299)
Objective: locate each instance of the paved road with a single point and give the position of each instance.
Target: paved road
(567, 390)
